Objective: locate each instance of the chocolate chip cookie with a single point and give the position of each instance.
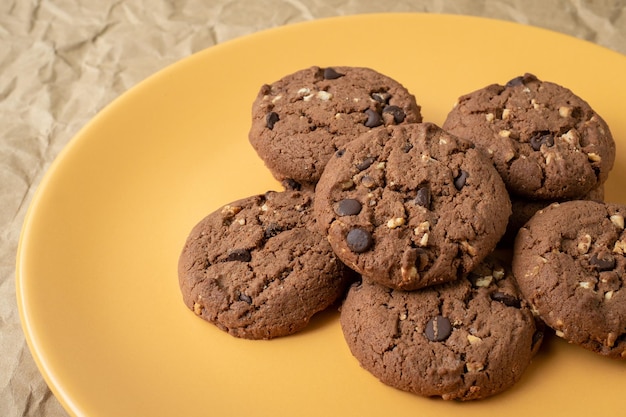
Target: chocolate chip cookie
(411, 206)
(463, 340)
(299, 121)
(258, 268)
(545, 141)
(569, 260)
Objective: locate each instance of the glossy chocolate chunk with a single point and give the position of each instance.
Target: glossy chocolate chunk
(272, 230)
(348, 207)
(241, 255)
(459, 181)
(438, 329)
(366, 163)
(521, 80)
(271, 119)
(359, 240)
(397, 113)
(373, 118)
(422, 197)
(541, 138)
(506, 299)
(381, 97)
(245, 297)
(291, 184)
(515, 81)
(603, 264)
(331, 74)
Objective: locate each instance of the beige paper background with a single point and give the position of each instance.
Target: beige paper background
(61, 61)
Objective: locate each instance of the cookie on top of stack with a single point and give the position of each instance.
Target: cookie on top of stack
(554, 153)
(411, 206)
(416, 210)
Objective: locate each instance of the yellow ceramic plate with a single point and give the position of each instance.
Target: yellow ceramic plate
(97, 283)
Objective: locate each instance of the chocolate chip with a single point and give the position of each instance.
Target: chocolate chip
(359, 240)
(397, 113)
(506, 299)
(272, 230)
(537, 338)
(368, 181)
(459, 180)
(271, 119)
(340, 153)
(331, 74)
(373, 118)
(348, 207)
(543, 137)
(291, 184)
(422, 197)
(241, 255)
(246, 298)
(602, 264)
(381, 97)
(438, 329)
(521, 80)
(515, 81)
(577, 113)
(366, 163)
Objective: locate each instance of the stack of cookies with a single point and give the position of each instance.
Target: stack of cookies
(554, 153)
(448, 247)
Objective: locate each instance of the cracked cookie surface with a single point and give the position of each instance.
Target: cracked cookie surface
(570, 263)
(258, 268)
(299, 121)
(411, 206)
(545, 141)
(463, 340)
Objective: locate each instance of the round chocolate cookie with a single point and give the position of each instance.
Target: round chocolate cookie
(258, 268)
(411, 206)
(463, 340)
(299, 121)
(545, 141)
(570, 265)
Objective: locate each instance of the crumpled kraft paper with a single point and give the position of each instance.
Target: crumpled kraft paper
(62, 61)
